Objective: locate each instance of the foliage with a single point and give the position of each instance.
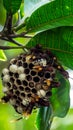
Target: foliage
(49, 23)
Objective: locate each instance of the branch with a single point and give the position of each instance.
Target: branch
(10, 40)
(20, 35)
(19, 27)
(15, 42)
(8, 24)
(9, 47)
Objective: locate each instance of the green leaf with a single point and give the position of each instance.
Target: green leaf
(68, 36)
(60, 99)
(58, 43)
(51, 15)
(43, 118)
(12, 6)
(32, 5)
(2, 56)
(59, 105)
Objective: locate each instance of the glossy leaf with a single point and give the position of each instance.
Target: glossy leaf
(60, 99)
(12, 6)
(43, 118)
(68, 36)
(32, 5)
(51, 15)
(2, 56)
(56, 41)
(59, 105)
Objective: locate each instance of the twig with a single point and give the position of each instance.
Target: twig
(10, 40)
(19, 27)
(20, 35)
(15, 42)
(8, 24)
(9, 47)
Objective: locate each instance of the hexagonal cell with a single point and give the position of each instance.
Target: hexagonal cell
(12, 79)
(21, 88)
(11, 91)
(14, 86)
(26, 71)
(23, 94)
(18, 82)
(17, 92)
(31, 84)
(34, 90)
(29, 77)
(20, 57)
(19, 63)
(9, 84)
(48, 94)
(38, 86)
(13, 61)
(23, 58)
(17, 102)
(36, 79)
(25, 82)
(27, 89)
(31, 66)
(29, 95)
(16, 75)
(41, 73)
(47, 75)
(25, 65)
(14, 96)
(33, 72)
(10, 73)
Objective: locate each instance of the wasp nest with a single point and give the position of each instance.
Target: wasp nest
(29, 79)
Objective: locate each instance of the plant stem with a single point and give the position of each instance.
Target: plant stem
(19, 27)
(20, 35)
(9, 47)
(8, 24)
(18, 47)
(15, 42)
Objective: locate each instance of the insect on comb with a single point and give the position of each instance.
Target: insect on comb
(29, 79)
